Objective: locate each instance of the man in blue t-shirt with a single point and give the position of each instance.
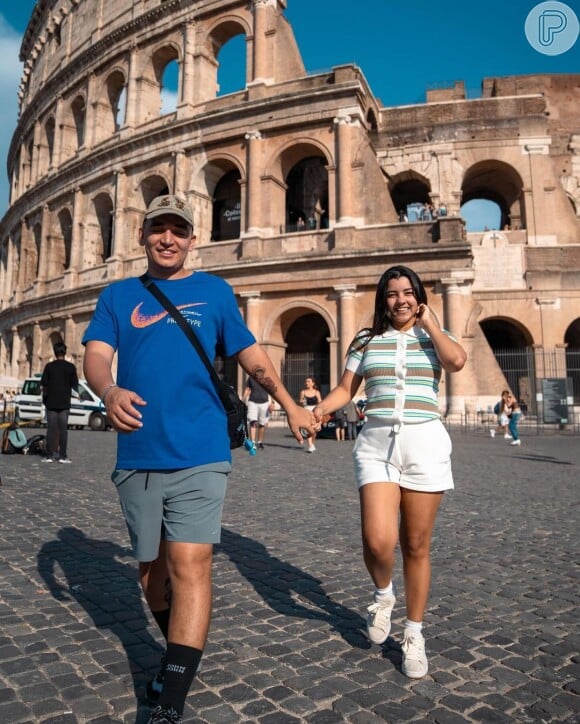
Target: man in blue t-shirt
(171, 485)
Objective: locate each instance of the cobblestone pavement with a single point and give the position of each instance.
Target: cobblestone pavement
(287, 640)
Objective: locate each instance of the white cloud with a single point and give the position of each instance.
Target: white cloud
(10, 74)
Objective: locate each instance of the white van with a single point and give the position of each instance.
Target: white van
(86, 409)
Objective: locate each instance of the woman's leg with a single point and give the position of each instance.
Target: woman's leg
(513, 425)
(418, 512)
(379, 504)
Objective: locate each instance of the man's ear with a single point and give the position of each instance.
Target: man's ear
(192, 242)
(141, 237)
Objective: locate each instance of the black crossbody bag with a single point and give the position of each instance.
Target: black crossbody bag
(235, 409)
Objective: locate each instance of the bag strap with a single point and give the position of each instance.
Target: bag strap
(150, 285)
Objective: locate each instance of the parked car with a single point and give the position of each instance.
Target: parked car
(328, 429)
(86, 409)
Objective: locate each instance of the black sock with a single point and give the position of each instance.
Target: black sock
(181, 665)
(162, 618)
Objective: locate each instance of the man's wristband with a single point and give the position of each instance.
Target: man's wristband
(107, 390)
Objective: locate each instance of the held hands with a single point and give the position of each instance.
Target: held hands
(121, 411)
(299, 418)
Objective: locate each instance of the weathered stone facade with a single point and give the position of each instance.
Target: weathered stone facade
(297, 183)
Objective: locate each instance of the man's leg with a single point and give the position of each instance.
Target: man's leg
(52, 432)
(189, 566)
(63, 433)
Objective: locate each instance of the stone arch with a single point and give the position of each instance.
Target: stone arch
(409, 191)
(46, 148)
(301, 199)
(151, 82)
(499, 182)
(153, 185)
(303, 329)
(27, 361)
(79, 110)
(103, 226)
(275, 330)
(60, 244)
(31, 253)
(111, 105)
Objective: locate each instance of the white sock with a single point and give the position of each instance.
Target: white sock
(413, 627)
(385, 592)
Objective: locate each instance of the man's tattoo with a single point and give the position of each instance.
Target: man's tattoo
(259, 374)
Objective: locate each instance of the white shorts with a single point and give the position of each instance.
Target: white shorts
(258, 412)
(417, 457)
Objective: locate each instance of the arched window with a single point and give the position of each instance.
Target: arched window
(307, 195)
(227, 208)
(170, 88)
(231, 75)
(63, 249)
(104, 213)
(117, 95)
(410, 193)
(78, 109)
(501, 186)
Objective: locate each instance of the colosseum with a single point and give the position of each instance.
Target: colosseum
(304, 189)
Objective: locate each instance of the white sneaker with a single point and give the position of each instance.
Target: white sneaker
(379, 618)
(414, 663)
(492, 433)
(46, 460)
(507, 436)
(65, 461)
(311, 449)
(516, 442)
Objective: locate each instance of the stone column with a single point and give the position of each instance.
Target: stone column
(344, 125)
(188, 66)
(346, 319)
(120, 243)
(77, 241)
(262, 59)
(179, 180)
(254, 166)
(15, 371)
(54, 162)
(253, 303)
(453, 305)
(36, 361)
(131, 119)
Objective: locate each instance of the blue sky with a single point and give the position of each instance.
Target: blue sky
(402, 47)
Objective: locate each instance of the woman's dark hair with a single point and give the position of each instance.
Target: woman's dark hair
(381, 320)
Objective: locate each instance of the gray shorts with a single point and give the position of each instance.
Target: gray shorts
(178, 505)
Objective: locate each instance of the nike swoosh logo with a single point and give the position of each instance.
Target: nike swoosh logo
(140, 321)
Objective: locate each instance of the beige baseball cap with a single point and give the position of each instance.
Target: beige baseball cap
(169, 204)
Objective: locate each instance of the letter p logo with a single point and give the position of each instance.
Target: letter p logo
(552, 22)
(552, 28)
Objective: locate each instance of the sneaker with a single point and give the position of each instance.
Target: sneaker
(65, 461)
(46, 460)
(161, 715)
(379, 618)
(507, 436)
(492, 433)
(311, 448)
(260, 446)
(250, 446)
(155, 687)
(516, 442)
(414, 663)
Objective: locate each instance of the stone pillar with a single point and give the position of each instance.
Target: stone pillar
(44, 250)
(54, 162)
(254, 167)
(36, 361)
(188, 66)
(253, 320)
(120, 243)
(15, 371)
(453, 305)
(24, 239)
(77, 241)
(131, 115)
(346, 319)
(344, 125)
(263, 53)
(179, 181)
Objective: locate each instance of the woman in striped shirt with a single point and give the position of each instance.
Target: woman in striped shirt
(402, 455)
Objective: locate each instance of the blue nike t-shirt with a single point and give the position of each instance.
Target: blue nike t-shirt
(184, 422)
